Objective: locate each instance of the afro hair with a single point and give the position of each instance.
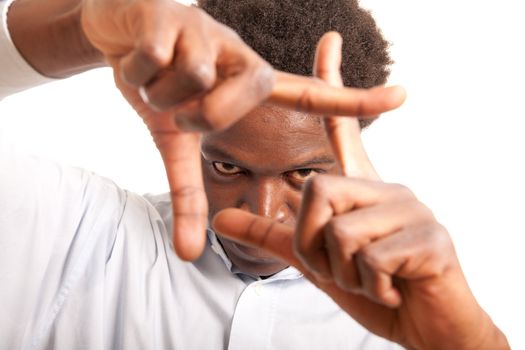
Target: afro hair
(285, 33)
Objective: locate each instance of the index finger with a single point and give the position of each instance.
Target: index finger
(315, 97)
(257, 231)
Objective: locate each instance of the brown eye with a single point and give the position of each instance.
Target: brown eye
(226, 168)
(302, 175)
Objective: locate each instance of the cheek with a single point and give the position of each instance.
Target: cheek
(294, 200)
(294, 204)
(222, 194)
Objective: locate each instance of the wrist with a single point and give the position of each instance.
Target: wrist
(492, 338)
(53, 41)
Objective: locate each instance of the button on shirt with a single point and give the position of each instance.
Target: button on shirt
(87, 265)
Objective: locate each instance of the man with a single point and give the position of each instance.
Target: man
(92, 266)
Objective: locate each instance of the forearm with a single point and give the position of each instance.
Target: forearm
(49, 36)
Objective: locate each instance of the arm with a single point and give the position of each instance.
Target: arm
(381, 255)
(180, 70)
(52, 42)
(377, 251)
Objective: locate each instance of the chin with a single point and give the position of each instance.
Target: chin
(253, 261)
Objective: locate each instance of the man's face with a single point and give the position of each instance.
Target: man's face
(260, 165)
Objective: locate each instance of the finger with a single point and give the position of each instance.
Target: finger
(153, 51)
(326, 196)
(378, 286)
(342, 266)
(193, 72)
(346, 234)
(181, 157)
(344, 133)
(314, 97)
(328, 59)
(257, 231)
(245, 81)
(420, 252)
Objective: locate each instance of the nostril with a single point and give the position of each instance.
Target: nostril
(244, 206)
(282, 215)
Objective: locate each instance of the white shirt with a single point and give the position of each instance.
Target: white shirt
(87, 265)
(16, 75)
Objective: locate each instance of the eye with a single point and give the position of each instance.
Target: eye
(302, 175)
(226, 168)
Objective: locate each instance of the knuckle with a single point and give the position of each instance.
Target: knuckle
(369, 257)
(229, 33)
(347, 279)
(154, 54)
(187, 191)
(421, 211)
(360, 109)
(441, 253)
(306, 101)
(401, 191)
(263, 78)
(340, 235)
(344, 283)
(334, 230)
(200, 75)
(196, 15)
(317, 186)
(211, 120)
(439, 236)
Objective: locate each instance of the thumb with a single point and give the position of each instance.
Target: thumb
(344, 133)
(254, 230)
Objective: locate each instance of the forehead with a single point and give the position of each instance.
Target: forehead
(277, 135)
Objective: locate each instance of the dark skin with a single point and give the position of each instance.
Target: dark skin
(153, 44)
(238, 172)
(376, 250)
(189, 68)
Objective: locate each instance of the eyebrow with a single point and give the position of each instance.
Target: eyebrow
(217, 152)
(314, 161)
(228, 158)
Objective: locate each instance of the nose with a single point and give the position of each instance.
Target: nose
(268, 199)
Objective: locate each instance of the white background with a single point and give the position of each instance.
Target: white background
(457, 142)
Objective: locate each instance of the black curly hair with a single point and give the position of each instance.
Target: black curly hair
(285, 33)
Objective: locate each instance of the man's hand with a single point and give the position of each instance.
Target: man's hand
(375, 249)
(195, 74)
(172, 53)
(381, 255)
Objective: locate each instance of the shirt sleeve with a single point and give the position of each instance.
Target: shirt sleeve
(55, 223)
(15, 73)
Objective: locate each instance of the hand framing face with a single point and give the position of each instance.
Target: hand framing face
(185, 73)
(374, 248)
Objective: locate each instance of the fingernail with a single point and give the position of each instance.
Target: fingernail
(143, 94)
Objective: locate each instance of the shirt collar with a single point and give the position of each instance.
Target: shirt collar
(290, 273)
